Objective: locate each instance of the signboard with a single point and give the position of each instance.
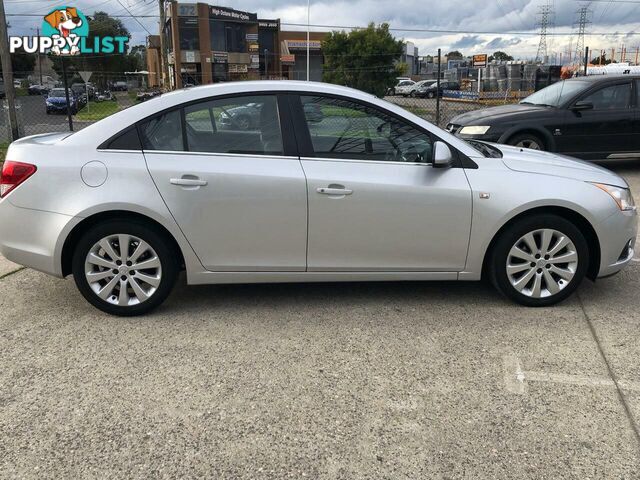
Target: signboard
(288, 59)
(190, 56)
(313, 44)
(231, 14)
(237, 68)
(219, 57)
(255, 61)
(187, 10)
(254, 47)
(480, 61)
(269, 24)
(251, 37)
(85, 76)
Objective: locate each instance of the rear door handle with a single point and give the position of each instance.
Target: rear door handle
(188, 182)
(334, 191)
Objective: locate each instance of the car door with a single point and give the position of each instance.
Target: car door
(235, 187)
(636, 123)
(599, 123)
(375, 204)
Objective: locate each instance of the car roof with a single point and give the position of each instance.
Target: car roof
(603, 78)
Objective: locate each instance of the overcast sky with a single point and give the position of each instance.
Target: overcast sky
(617, 20)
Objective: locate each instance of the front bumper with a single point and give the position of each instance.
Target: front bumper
(617, 235)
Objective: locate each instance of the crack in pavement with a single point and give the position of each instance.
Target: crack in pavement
(614, 378)
(5, 275)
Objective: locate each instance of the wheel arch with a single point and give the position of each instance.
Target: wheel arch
(76, 233)
(540, 132)
(571, 215)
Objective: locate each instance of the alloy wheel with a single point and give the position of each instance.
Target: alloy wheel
(528, 143)
(542, 263)
(123, 270)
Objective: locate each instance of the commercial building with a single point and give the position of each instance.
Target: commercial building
(208, 44)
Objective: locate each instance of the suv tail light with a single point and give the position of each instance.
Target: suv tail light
(13, 174)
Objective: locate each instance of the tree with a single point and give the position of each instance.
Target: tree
(455, 55)
(22, 63)
(500, 57)
(105, 67)
(364, 59)
(605, 60)
(139, 56)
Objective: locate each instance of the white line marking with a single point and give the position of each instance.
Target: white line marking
(515, 378)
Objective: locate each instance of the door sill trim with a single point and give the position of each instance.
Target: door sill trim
(206, 277)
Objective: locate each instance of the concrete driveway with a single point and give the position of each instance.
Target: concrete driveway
(349, 381)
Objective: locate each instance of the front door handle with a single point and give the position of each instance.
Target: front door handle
(188, 182)
(334, 191)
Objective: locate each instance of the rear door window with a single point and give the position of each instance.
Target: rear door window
(248, 124)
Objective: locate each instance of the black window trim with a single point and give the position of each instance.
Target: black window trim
(289, 144)
(305, 146)
(599, 86)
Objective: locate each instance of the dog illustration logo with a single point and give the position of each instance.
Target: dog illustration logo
(69, 24)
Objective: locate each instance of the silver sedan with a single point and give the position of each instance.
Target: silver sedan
(302, 182)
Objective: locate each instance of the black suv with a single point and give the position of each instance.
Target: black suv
(592, 118)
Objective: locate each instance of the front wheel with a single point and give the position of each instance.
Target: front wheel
(431, 95)
(539, 260)
(527, 140)
(124, 268)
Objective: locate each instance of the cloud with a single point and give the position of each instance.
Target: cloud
(495, 18)
(467, 41)
(500, 42)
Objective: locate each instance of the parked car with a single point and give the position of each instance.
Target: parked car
(120, 87)
(104, 96)
(432, 90)
(592, 118)
(370, 193)
(37, 90)
(56, 101)
(420, 87)
(403, 87)
(144, 96)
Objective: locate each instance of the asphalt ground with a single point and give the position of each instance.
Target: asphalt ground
(348, 381)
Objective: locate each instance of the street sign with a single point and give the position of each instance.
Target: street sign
(85, 76)
(480, 61)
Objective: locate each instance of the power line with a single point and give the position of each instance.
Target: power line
(396, 29)
(135, 18)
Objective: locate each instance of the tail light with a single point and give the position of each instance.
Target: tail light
(13, 174)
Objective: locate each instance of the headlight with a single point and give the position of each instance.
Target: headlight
(622, 196)
(474, 130)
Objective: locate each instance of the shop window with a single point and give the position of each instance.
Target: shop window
(189, 34)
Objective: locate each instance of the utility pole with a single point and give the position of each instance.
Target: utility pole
(164, 61)
(583, 21)
(545, 12)
(7, 74)
(308, 21)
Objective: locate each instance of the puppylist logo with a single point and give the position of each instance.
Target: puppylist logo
(65, 31)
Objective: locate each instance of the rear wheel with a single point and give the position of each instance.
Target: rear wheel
(527, 140)
(539, 260)
(431, 95)
(124, 268)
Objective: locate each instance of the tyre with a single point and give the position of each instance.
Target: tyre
(527, 140)
(392, 92)
(539, 260)
(412, 94)
(243, 122)
(431, 95)
(124, 268)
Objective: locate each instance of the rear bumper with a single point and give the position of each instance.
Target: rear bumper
(30, 237)
(617, 236)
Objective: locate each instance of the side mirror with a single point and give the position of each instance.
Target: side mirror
(579, 106)
(442, 157)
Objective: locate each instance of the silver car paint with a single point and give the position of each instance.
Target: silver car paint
(38, 216)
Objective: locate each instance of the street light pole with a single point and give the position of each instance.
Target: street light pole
(308, 22)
